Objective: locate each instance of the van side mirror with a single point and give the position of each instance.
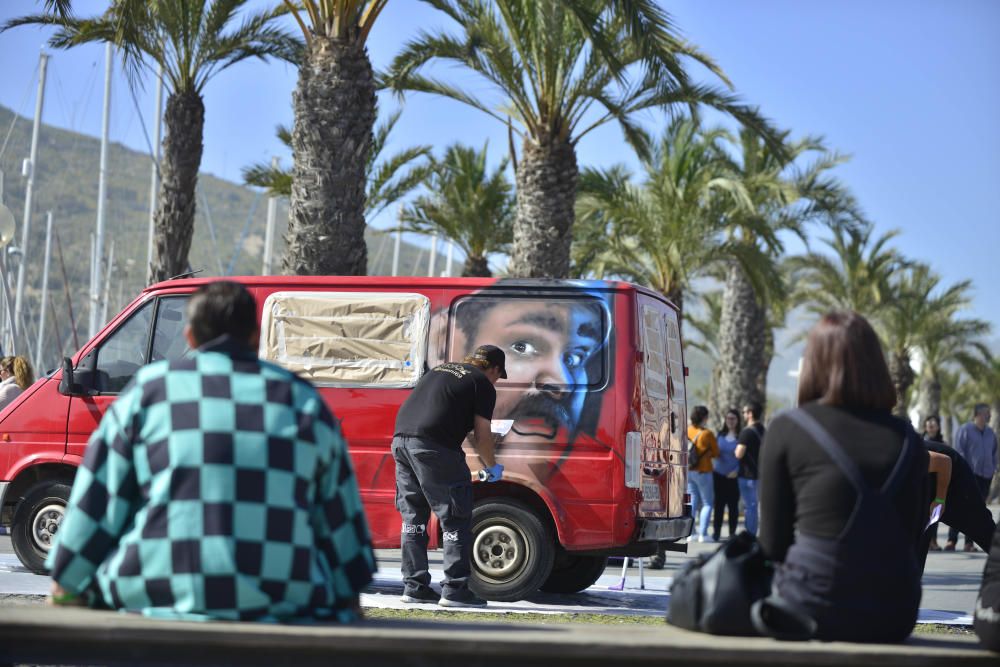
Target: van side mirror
(71, 383)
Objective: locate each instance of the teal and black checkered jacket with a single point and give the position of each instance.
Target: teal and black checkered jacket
(217, 486)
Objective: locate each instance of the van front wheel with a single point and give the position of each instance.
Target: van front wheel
(512, 551)
(36, 521)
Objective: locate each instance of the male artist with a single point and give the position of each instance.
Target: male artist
(431, 472)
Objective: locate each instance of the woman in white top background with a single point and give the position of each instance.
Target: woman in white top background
(15, 376)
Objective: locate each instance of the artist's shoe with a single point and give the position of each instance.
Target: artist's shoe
(969, 546)
(421, 595)
(934, 546)
(949, 546)
(465, 598)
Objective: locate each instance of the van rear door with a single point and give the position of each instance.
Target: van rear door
(662, 409)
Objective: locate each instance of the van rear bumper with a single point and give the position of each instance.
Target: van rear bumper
(659, 530)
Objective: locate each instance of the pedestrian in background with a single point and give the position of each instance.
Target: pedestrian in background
(700, 484)
(217, 486)
(748, 453)
(976, 442)
(16, 375)
(431, 473)
(724, 471)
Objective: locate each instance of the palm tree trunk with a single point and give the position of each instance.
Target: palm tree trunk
(543, 226)
(334, 105)
(184, 120)
(902, 378)
(742, 344)
(476, 267)
(929, 402)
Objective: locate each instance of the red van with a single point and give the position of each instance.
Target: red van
(595, 458)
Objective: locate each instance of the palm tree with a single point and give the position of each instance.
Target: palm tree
(856, 277)
(666, 231)
(783, 198)
(560, 68)
(389, 179)
(707, 341)
(192, 40)
(467, 204)
(947, 340)
(332, 137)
(922, 316)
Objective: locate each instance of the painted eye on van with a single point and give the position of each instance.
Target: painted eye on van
(524, 348)
(575, 358)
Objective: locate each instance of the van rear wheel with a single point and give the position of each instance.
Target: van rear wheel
(36, 521)
(572, 574)
(512, 551)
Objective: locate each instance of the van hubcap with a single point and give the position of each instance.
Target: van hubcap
(46, 524)
(499, 551)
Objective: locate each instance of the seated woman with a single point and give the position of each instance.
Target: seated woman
(842, 491)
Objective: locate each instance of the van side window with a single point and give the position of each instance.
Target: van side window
(348, 339)
(124, 351)
(654, 346)
(548, 342)
(168, 334)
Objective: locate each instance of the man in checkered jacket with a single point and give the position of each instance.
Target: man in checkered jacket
(216, 486)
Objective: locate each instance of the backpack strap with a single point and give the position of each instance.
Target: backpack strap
(826, 441)
(843, 461)
(896, 476)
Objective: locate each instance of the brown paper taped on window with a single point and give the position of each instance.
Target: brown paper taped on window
(347, 338)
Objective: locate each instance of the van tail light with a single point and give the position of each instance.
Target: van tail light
(633, 456)
(687, 498)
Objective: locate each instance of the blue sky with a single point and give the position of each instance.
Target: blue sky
(909, 88)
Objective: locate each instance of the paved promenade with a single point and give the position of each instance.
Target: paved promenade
(951, 583)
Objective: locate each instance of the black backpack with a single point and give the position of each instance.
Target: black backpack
(693, 455)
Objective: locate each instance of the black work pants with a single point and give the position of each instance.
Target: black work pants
(727, 495)
(431, 477)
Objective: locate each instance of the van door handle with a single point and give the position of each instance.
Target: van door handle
(673, 422)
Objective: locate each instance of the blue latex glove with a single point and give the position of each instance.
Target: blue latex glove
(495, 473)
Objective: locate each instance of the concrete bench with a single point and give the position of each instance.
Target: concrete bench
(65, 636)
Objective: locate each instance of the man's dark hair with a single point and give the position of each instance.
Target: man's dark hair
(755, 409)
(979, 409)
(469, 315)
(222, 308)
(844, 366)
(699, 414)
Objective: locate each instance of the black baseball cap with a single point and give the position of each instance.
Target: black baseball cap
(494, 355)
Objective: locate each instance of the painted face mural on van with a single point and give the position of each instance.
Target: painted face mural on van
(555, 360)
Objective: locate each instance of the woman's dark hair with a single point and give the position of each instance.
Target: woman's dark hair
(699, 414)
(932, 418)
(725, 428)
(843, 365)
(222, 308)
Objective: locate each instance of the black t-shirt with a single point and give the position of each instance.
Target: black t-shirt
(802, 490)
(443, 405)
(750, 437)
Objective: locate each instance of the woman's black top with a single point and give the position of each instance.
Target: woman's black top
(802, 490)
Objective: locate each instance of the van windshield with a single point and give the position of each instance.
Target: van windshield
(128, 348)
